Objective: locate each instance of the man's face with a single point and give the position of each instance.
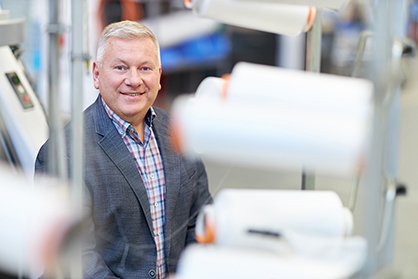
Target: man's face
(129, 78)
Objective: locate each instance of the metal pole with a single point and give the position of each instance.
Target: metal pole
(78, 59)
(313, 47)
(56, 159)
(313, 64)
(77, 162)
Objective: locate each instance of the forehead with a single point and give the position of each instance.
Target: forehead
(119, 47)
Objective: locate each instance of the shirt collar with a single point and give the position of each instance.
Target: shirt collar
(121, 125)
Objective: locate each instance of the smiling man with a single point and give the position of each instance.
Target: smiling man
(127, 73)
(143, 198)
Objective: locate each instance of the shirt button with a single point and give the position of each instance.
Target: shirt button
(156, 204)
(152, 273)
(152, 176)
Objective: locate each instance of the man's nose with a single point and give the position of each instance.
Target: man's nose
(134, 78)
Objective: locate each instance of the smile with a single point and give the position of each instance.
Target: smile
(132, 94)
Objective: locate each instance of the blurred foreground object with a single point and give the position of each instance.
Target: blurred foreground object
(270, 117)
(247, 217)
(274, 234)
(330, 4)
(214, 262)
(36, 223)
(269, 17)
(177, 27)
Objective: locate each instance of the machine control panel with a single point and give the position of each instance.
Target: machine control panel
(20, 91)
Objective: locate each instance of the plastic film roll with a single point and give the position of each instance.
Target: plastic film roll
(300, 89)
(277, 118)
(208, 262)
(268, 17)
(212, 88)
(292, 88)
(330, 4)
(271, 135)
(261, 218)
(205, 225)
(178, 27)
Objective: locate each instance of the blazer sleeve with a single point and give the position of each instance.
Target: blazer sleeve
(93, 263)
(94, 266)
(40, 162)
(203, 197)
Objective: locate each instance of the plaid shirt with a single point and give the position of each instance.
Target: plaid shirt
(150, 165)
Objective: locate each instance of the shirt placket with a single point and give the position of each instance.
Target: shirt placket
(152, 191)
(147, 168)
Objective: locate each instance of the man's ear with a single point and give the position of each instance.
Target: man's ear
(96, 74)
(159, 86)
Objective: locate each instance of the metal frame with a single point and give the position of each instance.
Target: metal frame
(373, 194)
(377, 191)
(56, 158)
(313, 64)
(77, 126)
(56, 155)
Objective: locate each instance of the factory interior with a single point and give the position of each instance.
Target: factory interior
(345, 81)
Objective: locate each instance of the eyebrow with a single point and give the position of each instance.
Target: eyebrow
(118, 60)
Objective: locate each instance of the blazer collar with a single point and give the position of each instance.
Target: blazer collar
(113, 145)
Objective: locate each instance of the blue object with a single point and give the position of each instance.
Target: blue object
(199, 51)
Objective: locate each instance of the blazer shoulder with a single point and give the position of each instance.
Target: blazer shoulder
(161, 113)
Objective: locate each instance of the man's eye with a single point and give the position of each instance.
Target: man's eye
(146, 68)
(120, 68)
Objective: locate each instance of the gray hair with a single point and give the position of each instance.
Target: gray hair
(126, 30)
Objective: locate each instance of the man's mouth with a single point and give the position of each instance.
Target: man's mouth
(131, 94)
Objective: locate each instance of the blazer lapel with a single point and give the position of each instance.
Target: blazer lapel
(113, 145)
(172, 174)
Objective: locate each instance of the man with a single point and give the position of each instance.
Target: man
(144, 197)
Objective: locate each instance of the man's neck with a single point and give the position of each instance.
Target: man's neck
(139, 128)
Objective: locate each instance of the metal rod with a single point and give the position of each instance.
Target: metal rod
(77, 161)
(314, 42)
(354, 192)
(78, 60)
(313, 64)
(56, 158)
(361, 47)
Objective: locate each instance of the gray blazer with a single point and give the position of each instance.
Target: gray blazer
(121, 216)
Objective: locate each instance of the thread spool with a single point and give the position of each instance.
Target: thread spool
(262, 218)
(269, 17)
